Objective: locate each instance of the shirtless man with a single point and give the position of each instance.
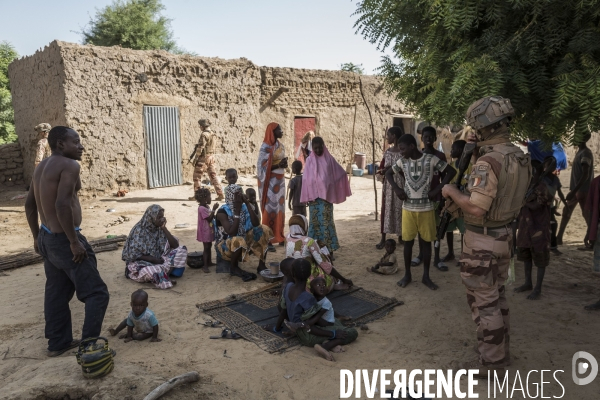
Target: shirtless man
(69, 261)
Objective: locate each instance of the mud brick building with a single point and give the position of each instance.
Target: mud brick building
(137, 111)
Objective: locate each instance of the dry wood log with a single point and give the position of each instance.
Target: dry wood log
(188, 377)
(30, 257)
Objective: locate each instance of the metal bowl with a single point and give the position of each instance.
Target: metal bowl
(268, 277)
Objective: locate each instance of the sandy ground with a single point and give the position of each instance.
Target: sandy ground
(429, 331)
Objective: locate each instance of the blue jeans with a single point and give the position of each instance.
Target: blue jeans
(64, 278)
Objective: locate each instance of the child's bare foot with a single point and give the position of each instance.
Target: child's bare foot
(122, 336)
(404, 281)
(338, 349)
(327, 355)
(535, 294)
(524, 287)
(372, 269)
(205, 269)
(429, 283)
(112, 331)
(343, 318)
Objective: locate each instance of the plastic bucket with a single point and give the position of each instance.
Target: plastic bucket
(360, 159)
(370, 169)
(177, 272)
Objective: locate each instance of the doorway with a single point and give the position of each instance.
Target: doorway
(302, 125)
(163, 146)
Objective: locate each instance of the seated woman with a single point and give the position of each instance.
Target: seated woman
(238, 231)
(151, 252)
(298, 245)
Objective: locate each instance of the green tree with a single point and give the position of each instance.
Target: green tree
(134, 24)
(7, 120)
(351, 67)
(542, 54)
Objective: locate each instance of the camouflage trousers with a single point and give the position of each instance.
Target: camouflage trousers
(206, 164)
(484, 269)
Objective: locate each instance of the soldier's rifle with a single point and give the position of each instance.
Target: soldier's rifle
(463, 165)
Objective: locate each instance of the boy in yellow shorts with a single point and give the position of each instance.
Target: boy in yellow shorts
(418, 209)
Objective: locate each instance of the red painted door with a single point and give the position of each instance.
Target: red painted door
(301, 126)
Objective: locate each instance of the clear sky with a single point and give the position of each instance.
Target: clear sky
(316, 34)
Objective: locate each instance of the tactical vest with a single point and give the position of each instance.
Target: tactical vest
(513, 181)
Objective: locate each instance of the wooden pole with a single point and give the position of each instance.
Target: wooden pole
(352, 146)
(372, 147)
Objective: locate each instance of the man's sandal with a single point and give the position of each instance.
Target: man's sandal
(56, 353)
(442, 266)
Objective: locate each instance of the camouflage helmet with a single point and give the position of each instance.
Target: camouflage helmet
(43, 127)
(204, 122)
(488, 111)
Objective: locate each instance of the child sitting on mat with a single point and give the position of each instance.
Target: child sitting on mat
(141, 318)
(300, 306)
(388, 264)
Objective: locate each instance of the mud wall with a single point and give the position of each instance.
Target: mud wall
(101, 91)
(11, 164)
(37, 86)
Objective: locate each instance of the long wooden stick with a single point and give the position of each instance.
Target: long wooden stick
(188, 377)
(352, 146)
(30, 257)
(372, 146)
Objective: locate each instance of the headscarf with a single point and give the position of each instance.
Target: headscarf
(306, 143)
(145, 238)
(269, 135)
(245, 221)
(298, 225)
(324, 178)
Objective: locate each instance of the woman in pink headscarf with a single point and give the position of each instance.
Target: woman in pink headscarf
(324, 184)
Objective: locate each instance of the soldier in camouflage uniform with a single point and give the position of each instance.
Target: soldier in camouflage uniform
(42, 149)
(495, 193)
(204, 160)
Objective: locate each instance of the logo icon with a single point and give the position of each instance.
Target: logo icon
(581, 367)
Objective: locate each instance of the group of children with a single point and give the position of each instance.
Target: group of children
(426, 172)
(205, 231)
(305, 311)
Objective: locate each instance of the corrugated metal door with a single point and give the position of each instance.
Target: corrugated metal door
(163, 144)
